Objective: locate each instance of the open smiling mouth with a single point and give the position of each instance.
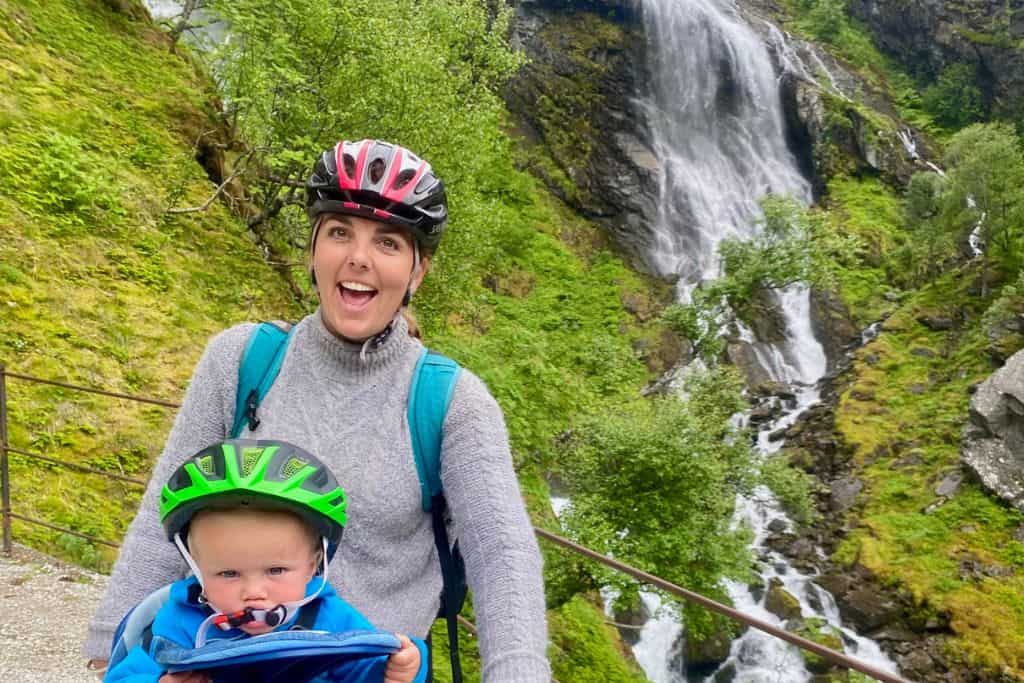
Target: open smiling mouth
(356, 294)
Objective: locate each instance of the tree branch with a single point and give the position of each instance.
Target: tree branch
(206, 204)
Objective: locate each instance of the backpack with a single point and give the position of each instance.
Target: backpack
(433, 383)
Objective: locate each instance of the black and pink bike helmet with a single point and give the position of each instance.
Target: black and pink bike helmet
(381, 181)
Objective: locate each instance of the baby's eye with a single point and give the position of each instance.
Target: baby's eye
(228, 574)
(277, 571)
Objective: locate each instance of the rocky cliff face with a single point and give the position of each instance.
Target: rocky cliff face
(575, 100)
(929, 35)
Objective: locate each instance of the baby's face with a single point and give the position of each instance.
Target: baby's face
(252, 558)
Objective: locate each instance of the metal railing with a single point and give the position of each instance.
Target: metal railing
(641, 576)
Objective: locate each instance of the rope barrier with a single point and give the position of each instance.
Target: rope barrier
(834, 656)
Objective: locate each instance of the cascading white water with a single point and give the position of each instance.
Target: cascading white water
(717, 131)
(715, 117)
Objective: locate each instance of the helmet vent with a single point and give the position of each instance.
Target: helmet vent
(206, 466)
(350, 165)
(424, 183)
(340, 500)
(376, 170)
(293, 466)
(250, 456)
(403, 178)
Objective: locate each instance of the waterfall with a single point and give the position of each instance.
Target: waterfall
(716, 123)
(715, 117)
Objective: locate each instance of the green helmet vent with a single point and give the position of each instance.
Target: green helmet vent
(206, 465)
(250, 456)
(292, 467)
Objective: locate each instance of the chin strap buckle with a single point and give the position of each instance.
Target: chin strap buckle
(271, 617)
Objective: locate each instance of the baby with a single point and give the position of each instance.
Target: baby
(255, 520)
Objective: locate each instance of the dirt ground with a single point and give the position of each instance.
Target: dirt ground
(44, 609)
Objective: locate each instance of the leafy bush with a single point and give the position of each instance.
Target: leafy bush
(654, 484)
(955, 99)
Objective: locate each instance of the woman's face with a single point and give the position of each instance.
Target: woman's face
(363, 269)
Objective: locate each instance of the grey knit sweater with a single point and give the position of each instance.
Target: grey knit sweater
(351, 412)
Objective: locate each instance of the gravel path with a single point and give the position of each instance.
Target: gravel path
(44, 608)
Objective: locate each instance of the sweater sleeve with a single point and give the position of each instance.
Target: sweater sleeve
(503, 563)
(147, 560)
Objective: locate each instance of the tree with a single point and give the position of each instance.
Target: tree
(985, 192)
(931, 241)
(655, 485)
(297, 75)
(955, 99)
(795, 245)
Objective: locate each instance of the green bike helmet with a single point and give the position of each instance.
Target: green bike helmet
(263, 473)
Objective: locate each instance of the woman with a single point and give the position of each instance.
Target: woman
(377, 213)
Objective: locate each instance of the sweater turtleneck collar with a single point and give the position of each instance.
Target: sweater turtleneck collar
(352, 355)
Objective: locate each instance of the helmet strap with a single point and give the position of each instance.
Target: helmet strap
(273, 617)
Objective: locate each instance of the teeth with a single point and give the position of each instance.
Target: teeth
(358, 286)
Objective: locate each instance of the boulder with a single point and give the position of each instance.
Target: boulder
(993, 440)
(781, 602)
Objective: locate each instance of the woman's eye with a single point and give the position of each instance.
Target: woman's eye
(337, 231)
(389, 243)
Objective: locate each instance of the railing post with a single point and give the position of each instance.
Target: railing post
(5, 475)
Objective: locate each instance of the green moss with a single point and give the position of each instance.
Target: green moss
(906, 436)
(871, 210)
(583, 645)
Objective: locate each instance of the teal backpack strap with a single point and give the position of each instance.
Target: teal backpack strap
(433, 383)
(261, 361)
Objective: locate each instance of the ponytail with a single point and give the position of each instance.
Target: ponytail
(410, 320)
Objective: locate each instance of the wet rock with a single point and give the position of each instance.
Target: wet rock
(947, 488)
(832, 325)
(915, 664)
(862, 395)
(727, 674)
(911, 459)
(843, 493)
(781, 602)
(972, 568)
(632, 618)
(773, 388)
(703, 657)
(777, 525)
(895, 633)
(993, 440)
(936, 322)
(869, 609)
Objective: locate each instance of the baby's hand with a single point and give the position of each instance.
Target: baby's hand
(402, 665)
(185, 677)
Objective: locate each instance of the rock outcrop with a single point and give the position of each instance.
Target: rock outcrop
(928, 36)
(575, 99)
(993, 445)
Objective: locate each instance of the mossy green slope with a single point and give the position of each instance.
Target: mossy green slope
(99, 286)
(903, 414)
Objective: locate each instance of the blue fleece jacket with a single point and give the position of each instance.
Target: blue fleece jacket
(181, 616)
